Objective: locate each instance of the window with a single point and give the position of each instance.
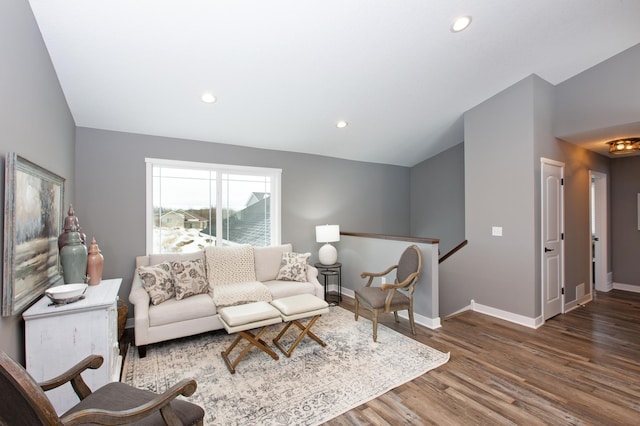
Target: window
(194, 205)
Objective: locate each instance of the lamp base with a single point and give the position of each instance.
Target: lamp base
(328, 255)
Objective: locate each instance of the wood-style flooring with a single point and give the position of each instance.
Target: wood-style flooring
(579, 368)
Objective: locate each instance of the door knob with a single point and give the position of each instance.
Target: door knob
(546, 250)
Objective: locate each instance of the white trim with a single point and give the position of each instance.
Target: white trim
(561, 165)
(507, 316)
(588, 297)
(600, 182)
(225, 168)
(626, 287)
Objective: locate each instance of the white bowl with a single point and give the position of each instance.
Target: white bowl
(66, 292)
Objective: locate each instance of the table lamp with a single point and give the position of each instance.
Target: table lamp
(328, 255)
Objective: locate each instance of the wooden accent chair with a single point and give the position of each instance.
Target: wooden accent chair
(24, 402)
(387, 298)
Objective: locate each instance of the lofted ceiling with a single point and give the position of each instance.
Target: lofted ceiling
(285, 71)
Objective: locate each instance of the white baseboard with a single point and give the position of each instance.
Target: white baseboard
(578, 302)
(461, 310)
(507, 316)
(627, 287)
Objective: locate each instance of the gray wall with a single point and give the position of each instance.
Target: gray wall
(437, 198)
(499, 182)
(504, 139)
(34, 119)
(625, 187)
(110, 201)
(603, 96)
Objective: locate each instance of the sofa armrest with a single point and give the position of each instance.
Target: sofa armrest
(312, 274)
(138, 295)
(140, 300)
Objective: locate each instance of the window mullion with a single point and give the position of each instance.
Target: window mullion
(219, 230)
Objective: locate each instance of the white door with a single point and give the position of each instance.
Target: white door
(552, 203)
(599, 231)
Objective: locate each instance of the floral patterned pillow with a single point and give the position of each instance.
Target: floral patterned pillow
(157, 280)
(190, 278)
(293, 267)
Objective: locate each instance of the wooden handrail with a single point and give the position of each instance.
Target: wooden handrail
(392, 237)
(452, 251)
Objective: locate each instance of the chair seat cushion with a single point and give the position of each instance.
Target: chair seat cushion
(118, 396)
(374, 297)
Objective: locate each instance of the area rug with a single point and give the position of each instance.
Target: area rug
(314, 385)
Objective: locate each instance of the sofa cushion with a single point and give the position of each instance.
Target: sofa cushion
(293, 267)
(174, 311)
(189, 278)
(267, 261)
(157, 280)
(280, 289)
(230, 264)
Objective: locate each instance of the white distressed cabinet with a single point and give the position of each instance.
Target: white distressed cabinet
(57, 337)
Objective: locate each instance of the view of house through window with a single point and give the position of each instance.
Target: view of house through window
(193, 205)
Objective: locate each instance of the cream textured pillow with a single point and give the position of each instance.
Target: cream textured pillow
(189, 278)
(293, 267)
(157, 280)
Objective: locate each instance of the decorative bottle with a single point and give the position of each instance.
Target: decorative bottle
(74, 258)
(95, 262)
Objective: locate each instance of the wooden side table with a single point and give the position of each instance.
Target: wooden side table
(328, 271)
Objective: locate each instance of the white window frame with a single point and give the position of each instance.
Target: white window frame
(275, 197)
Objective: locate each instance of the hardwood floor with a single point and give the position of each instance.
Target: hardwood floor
(582, 367)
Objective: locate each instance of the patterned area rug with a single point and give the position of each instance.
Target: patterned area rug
(313, 386)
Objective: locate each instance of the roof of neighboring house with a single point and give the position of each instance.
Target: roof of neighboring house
(249, 225)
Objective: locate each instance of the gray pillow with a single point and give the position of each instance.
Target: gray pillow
(157, 280)
(293, 267)
(189, 278)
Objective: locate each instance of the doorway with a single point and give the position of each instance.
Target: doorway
(552, 230)
(598, 229)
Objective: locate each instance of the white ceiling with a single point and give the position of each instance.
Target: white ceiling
(284, 71)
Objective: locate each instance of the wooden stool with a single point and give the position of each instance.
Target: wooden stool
(292, 309)
(242, 318)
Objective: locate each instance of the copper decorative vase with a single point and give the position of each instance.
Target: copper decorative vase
(95, 263)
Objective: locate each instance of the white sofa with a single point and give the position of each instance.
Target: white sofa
(197, 314)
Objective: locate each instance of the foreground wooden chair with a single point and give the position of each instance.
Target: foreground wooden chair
(387, 298)
(24, 402)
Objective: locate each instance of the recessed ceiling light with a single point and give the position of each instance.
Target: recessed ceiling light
(207, 97)
(341, 124)
(460, 23)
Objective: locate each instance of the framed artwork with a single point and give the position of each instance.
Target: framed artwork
(33, 204)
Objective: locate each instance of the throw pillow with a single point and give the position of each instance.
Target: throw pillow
(293, 267)
(157, 280)
(189, 278)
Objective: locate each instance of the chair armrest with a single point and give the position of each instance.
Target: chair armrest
(73, 375)
(372, 275)
(406, 282)
(185, 387)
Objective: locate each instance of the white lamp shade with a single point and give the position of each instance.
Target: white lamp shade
(327, 233)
